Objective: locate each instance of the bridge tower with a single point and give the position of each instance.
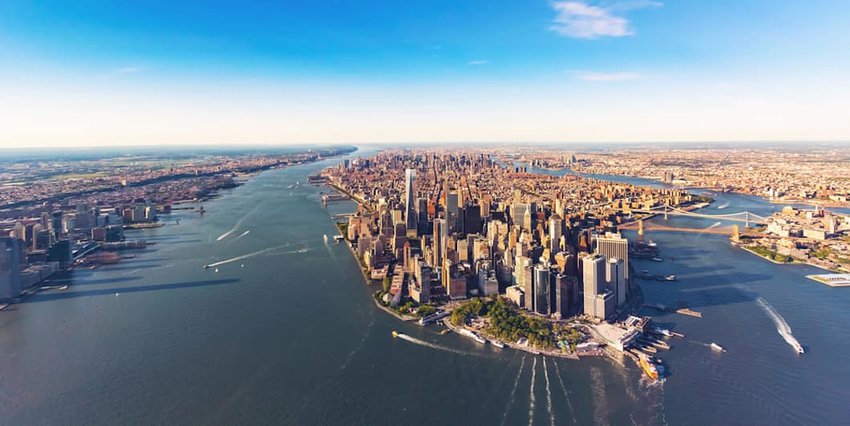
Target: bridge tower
(640, 230)
(665, 212)
(747, 219)
(736, 234)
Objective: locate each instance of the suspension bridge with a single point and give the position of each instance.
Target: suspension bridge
(746, 217)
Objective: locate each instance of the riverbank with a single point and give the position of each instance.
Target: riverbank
(793, 262)
(513, 345)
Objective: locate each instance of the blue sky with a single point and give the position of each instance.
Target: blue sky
(216, 72)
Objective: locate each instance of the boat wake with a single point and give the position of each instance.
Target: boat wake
(548, 394)
(513, 391)
(782, 327)
(723, 206)
(531, 393)
(246, 256)
(236, 225)
(420, 342)
(359, 345)
(566, 394)
(241, 235)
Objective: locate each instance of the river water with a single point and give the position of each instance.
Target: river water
(284, 331)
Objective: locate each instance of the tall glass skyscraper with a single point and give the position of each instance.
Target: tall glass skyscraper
(410, 201)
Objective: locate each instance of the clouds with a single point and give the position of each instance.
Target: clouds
(577, 19)
(606, 76)
(478, 62)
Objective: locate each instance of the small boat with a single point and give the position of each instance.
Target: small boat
(445, 331)
(663, 331)
(216, 270)
(716, 347)
(671, 277)
(497, 344)
(207, 266)
(657, 259)
(395, 333)
(649, 367)
(645, 271)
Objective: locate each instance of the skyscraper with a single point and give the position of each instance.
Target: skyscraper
(440, 237)
(410, 201)
(452, 212)
(542, 290)
(10, 267)
(554, 234)
(615, 275)
(594, 281)
(614, 246)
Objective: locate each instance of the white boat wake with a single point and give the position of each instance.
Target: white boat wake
(419, 342)
(566, 394)
(246, 256)
(236, 225)
(531, 393)
(513, 391)
(548, 394)
(723, 206)
(782, 327)
(241, 235)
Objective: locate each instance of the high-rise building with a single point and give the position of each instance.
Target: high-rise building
(554, 234)
(566, 293)
(10, 267)
(439, 241)
(542, 290)
(472, 219)
(56, 224)
(615, 275)
(614, 246)
(452, 212)
(409, 201)
(593, 281)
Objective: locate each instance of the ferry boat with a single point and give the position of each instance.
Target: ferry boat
(716, 347)
(473, 335)
(498, 344)
(649, 367)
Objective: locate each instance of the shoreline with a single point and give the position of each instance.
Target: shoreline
(795, 262)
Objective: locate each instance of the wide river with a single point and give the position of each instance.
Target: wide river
(284, 332)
